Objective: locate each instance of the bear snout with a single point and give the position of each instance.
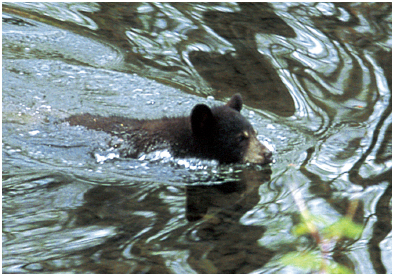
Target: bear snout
(268, 156)
(257, 153)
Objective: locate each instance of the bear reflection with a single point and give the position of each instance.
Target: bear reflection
(200, 198)
(219, 243)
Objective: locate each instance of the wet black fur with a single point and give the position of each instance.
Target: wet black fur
(208, 133)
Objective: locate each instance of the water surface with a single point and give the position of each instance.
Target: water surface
(316, 82)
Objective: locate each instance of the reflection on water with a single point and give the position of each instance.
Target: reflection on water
(316, 78)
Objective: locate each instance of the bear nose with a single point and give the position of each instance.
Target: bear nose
(268, 156)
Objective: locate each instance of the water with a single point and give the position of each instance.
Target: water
(316, 82)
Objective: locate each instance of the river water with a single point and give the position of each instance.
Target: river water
(316, 84)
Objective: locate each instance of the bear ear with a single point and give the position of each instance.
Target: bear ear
(201, 120)
(235, 102)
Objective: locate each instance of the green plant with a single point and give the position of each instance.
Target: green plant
(320, 260)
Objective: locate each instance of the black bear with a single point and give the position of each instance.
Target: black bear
(220, 133)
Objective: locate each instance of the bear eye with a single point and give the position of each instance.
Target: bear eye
(243, 136)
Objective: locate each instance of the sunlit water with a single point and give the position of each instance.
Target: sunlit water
(316, 82)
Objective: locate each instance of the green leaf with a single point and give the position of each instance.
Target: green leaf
(344, 227)
(335, 268)
(312, 261)
(309, 260)
(302, 228)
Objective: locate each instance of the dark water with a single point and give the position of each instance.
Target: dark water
(316, 81)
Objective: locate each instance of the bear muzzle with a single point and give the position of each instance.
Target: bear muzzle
(257, 153)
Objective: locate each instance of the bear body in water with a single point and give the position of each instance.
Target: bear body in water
(219, 133)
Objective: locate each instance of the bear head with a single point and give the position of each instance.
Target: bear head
(222, 133)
